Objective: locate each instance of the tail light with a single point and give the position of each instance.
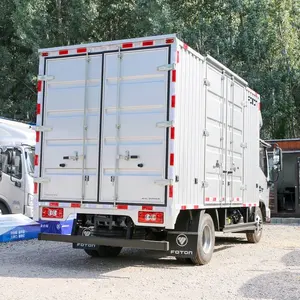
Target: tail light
(151, 217)
(52, 213)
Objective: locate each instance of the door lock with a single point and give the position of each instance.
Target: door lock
(75, 157)
(128, 156)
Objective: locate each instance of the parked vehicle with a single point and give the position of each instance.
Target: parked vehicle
(151, 144)
(17, 143)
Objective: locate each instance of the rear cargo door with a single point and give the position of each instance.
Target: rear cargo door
(71, 118)
(234, 141)
(134, 135)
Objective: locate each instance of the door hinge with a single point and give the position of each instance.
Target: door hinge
(43, 128)
(243, 187)
(41, 180)
(164, 182)
(244, 145)
(166, 67)
(204, 184)
(206, 82)
(45, 77)
(165, 124)
(205, 132)
(86, 178)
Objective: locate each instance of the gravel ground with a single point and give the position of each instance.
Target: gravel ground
(44, 270)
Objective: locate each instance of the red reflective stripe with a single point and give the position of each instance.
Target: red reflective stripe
(127, 45)
(122, 206)
(81, 50)
(196, 206)
(37, 136)
(244, 205)
(45, 54)
(39, 85)
(147, 207)
(36, 160)
(237, 199)
(38, 108)
(174, 75)
(172, 159)
(171, 191)
(185, 46)
(177, 57)
(169, 41)
(173, 101)
(206, 199)
(172, 133)
(35, 188)
(75, 204)
(53, 204)
(148, 43)
(63, 52)
(259, 106)
(183, 207)
(214, 199)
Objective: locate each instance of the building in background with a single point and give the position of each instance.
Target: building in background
(285, 194)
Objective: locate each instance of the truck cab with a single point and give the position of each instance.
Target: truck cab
(17, 148)
(270, 161)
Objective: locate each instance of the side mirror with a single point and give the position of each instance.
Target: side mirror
(15, 165)
(277, 159)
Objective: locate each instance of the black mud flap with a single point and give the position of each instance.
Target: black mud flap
(85, 246)
(84, 232)
(183, 244)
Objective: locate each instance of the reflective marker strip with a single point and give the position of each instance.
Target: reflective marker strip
(127, 45)
(147, 207)
(170, 191)
(169, 41)
(81, 50)
(173, 75)
(122, 206)
(63, 52)
(148, 43)
(35, 188)
(39, 86)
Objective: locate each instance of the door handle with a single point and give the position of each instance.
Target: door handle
(18, 184)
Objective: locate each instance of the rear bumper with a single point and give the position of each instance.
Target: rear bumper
(92, 240)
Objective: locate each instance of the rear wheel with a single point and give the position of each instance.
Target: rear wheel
(255, 236)
(3, 209)
(104, 251)
(206, 241)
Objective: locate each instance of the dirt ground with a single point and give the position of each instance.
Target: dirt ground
(45, 270)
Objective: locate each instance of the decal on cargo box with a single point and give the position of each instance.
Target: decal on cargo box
(252, 101)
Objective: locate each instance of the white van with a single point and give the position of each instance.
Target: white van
(17, 146)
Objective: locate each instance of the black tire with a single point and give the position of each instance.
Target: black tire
(255, 236)
(104, 251)
(206, 241)
(3, 209)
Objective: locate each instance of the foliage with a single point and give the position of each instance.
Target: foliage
(258, 39)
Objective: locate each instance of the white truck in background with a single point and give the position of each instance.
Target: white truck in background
(17, 144)
(151, 145)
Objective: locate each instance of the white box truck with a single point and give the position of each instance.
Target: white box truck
(17, 142)
(151, 145)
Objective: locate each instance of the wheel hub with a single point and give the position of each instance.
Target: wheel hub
(206, 239)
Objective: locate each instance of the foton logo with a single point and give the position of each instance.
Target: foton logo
(181, 240)
(181, 252)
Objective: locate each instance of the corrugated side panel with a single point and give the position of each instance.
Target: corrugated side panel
(251, 152)
(189, 115)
